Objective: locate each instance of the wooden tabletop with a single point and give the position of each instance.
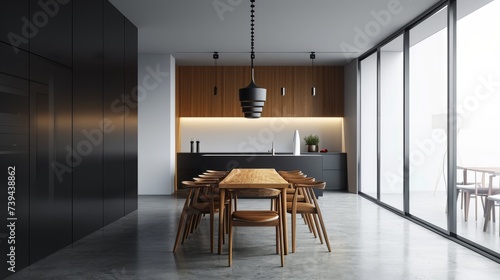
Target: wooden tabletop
(253, 178)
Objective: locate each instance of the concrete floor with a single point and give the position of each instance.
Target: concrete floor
(368, 242)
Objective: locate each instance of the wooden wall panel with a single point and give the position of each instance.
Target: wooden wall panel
(234, 78)
(286, 80)
(302, 103)
(321, 92)
(265, 76)
(196, 99)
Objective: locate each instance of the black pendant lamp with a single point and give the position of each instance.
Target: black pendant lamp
(252, 97)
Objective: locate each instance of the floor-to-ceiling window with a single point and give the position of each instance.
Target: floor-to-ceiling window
(391, 123)
(478, 109)
(368, 177)
(428, 92)
(407, 85)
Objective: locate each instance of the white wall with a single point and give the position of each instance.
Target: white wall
(257, 135)
(156, 159)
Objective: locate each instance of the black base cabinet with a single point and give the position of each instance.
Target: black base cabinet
(329, 167)
(335, 171)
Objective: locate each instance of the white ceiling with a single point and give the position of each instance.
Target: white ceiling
(286, 31)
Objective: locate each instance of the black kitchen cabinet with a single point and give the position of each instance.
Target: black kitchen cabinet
(14, 161)
(328, 167)
(130, 111)
(189, 165)
(52, 24)
(50, 152)
(15, 26)
(114, 141)
(88, 122)
(14, 64)
(335, 171)
(65, 127)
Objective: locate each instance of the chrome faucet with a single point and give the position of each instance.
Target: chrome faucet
(272, 148)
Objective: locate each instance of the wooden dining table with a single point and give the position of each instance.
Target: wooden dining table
(253, 178)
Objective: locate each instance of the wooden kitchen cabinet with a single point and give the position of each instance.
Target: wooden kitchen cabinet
(195, 94)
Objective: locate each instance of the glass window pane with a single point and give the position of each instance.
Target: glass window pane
(428, 101)
(478, 103)
(391, 123)
(368, 166)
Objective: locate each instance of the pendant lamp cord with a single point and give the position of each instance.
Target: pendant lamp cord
(215, 57)
(252, 29)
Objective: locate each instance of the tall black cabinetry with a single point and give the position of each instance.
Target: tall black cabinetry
(14, 159)
(50, 162)
(15, 24)
(113, 106)
(68, 123)
(131, 96)
(87, 117)
(50, 21)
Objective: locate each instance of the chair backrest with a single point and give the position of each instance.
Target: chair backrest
(315, 185)
(308, 191)
(195, 189)
(257, 193)
(290, 172)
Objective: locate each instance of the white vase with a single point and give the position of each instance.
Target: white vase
(296, 143)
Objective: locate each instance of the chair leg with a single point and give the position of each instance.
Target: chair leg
(318, 227)
(475, 204)
(212, 233)
(462, 200)
(310, 222)
(179, 231)
(488, 214)
(230, 249)
(277, 240)
(294, 230)
(324, 230)
(466, 205)
(304, 218)
(281, 244)
(187, 227)
(230, 233)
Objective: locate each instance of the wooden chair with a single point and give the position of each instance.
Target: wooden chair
(300, 197)
(289, 172)
(478, 188)
(218, 172)
(258, 218)
(491, 202)
(309, 207)
(193, 209)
